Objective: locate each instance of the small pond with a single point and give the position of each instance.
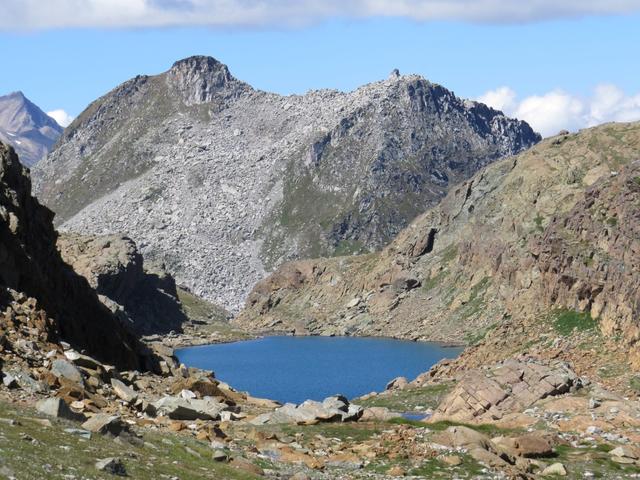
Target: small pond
(293, 369)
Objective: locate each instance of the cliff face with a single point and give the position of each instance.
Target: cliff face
(222, 183)
(589, 259)
(32, 271)
(553, 227)
(144, 296)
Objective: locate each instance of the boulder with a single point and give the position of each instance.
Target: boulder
(398, 383)
(626, 451)
(531, 445)
(506, 387)
(105, 424)
(56, 407)
(336, 408)
(556, 469)
(383, 414)
(465, 437)
(123, 391)
(82, 360)
(64, 369)
(178, 408)
(9, 380)
(114, 466)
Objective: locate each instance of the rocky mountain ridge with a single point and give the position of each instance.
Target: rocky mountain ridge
(27, 128)
(554, 227)
(222, 182)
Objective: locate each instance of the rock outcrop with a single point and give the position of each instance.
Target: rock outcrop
(38, 290)
(511, 386)
(588, 260)
(554, 227)
(222, 182)
(143, 295)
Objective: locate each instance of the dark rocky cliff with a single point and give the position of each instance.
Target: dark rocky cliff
(31, 265)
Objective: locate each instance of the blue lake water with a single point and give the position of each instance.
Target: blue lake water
(293, 369)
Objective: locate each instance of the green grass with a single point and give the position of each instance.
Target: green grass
(595, 459)
(348, 247)
(351, 431)
(434, 467)
(634, 383)
(538, 221)
(432, 282)
(612, 221)
(33, 451)
(450, 253)
(486, 428)
(408, 399)
(476, 299)
(637, 180)
(197, 308)
(566, 322)
(473, 338)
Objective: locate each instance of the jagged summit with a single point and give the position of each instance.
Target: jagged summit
(221, 182)
(199, 78)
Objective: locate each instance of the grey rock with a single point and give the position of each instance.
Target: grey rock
(123, 391)
(220, 456)
(114, 466)
(397, 383)
(62, 368)
(82, 360)
(9, 380)
(86, 434)
(105, 424)
(56, 407)
(556, 469)
(178, 408)
(222, 182)
(332, 409)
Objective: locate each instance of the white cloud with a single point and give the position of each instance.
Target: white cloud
(39, 14)
(502, 98)
(557, 110)
(61, 117)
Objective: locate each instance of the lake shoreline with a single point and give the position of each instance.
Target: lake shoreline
(313, 366)
(195, 339)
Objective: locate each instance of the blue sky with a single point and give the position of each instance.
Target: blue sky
(565, 71)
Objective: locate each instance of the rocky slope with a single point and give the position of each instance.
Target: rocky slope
(39, 292)
(27, 128)
(222, 182)
(555, 227)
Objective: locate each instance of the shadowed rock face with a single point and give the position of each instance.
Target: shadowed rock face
(553, 227)
(144, 295)
(222, 183)
(31, 264)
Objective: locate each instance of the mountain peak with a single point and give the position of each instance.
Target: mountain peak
(26, 127)
(17, 95)
(199, 78)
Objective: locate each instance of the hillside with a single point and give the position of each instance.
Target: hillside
(551, 231)
(27, 128)
(222, 182)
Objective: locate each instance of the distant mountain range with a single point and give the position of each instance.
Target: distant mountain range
(222, 182)
(27, 128)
